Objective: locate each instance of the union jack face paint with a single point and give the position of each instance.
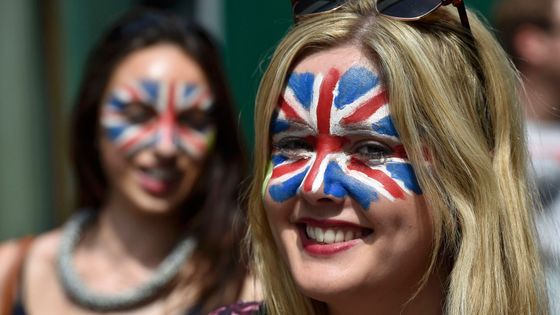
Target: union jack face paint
(147, 113)
(333, 131)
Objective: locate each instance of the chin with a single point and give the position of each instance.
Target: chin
(156, 206)
(151, 203)
(327, 290)
(325, 283)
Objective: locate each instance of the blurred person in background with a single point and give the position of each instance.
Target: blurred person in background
(159, 164)
(530, 32)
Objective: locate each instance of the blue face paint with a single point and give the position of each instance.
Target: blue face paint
(279, 126)
(353, 84)
(385, 127)
(278, 159)
(339, 184)
(405, 173)
(151, 88)
(288, 188)
(302, 85)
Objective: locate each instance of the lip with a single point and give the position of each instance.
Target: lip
(157, 187)
(314, 248)
(328, 223)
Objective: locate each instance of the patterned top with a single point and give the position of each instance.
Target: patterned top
(241, 308)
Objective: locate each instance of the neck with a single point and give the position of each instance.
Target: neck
(124, 232)
(394, 300)
(541, 98)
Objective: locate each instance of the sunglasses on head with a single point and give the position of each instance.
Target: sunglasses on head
(405, 10)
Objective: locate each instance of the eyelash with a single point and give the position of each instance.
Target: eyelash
(293, 147)
(139, 113)
(371, 152)
(196, 119)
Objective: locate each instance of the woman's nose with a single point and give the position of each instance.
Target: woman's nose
(320, 197)
(165, 144)
(323, 185)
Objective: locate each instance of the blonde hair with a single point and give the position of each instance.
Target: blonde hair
(455, 100)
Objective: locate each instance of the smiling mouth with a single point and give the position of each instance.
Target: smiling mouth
(334, 234)
(162, 174)
(159, 181)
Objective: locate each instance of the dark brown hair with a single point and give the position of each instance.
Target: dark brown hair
(510, 15)
(212, 208)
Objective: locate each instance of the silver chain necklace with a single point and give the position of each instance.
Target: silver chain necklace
(84, 296)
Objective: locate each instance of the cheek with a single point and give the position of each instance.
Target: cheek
(277, 211)
(115, 164)
(198, 145)
(278, 215)
(406, 223)
(129, 138)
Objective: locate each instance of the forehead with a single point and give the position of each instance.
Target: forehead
(340, 58)
(163, 62)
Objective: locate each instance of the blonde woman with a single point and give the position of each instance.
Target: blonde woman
(390, 177)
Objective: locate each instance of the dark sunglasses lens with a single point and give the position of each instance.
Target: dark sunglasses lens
(406, 9)
(305, 7)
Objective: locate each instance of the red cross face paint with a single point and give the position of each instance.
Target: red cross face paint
(342, 198)
(149, 112)
(156, 129)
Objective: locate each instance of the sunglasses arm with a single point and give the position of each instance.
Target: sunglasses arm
(460, 5)
(463, 14)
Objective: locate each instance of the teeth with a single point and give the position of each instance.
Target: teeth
(339, 236)
(311, 232)
(349, 235)
(332, 235)
(329, 237)
(165, 174)
(319, 235)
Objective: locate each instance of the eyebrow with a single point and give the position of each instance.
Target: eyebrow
(282, 126)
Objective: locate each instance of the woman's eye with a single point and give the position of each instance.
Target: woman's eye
(195, 119)
(371, 152)
(293, 146)
(139, 113)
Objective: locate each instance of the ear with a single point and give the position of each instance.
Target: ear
(531, 45)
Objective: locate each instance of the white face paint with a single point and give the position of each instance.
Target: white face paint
(140, 114)
(318, 117)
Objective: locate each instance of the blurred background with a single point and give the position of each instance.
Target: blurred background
(43, 47)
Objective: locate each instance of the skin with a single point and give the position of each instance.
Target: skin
(379, 271)
(138, 225)
(539, 50)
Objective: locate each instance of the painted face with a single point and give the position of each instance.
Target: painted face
(342, 198)
(141, 114)
(318, 117)
(156, 129)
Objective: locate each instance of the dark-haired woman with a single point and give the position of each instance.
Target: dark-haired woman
(159, 164)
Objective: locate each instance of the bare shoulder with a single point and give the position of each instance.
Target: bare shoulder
(40, 263)
(45, 246)
(14, 254)
(9, 253)
(41, 258)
